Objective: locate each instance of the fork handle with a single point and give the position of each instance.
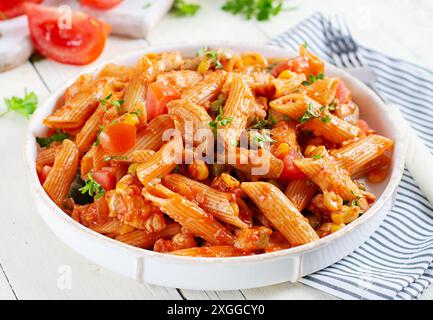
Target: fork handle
(418, 158)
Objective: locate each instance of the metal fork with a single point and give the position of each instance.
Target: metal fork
(345, 53)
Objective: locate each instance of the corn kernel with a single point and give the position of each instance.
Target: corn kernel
(335, 227)
(286, 74)
(204, 65)
(131, 118)
(332, 201)
(282, 150)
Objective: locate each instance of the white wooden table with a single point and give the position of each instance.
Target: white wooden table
(35, 264)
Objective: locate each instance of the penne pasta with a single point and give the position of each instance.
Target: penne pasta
(63, 172)
(222, 205)
(89, 131)
(159, 164)
(236, 111)
(281, 212)
(300, 192)
(189, 215)
(80, 106)
(258, 163)
(205, 91)
(355, 156)
(329, 177)
(295, 105)
(46, 157)
(287, 84)
(182, 79)
(135, 91)
(322, 91)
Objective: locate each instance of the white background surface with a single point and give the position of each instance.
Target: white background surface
(35, 264)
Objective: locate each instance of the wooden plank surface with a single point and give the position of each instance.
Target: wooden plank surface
(35, 264)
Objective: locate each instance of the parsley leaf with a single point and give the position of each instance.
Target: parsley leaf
(313, 79)
(181, 8)
(316, 156)
(116, 103)
(92, 187)
(217, 104)
(326, 119)
(311, 113)
(24, 106)
(119, 158)
(262, 10)
(59, 136)
(211, 55)
(261, 138)
(220, 121)
(97, 142)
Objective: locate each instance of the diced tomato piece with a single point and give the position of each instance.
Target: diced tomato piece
(290, 170)
(343, 94)
(44, 173)
(101, 4)
(158, 95)
(80, 43)
(118, 137)
(298, 65)
(106, 178)
(13, 8)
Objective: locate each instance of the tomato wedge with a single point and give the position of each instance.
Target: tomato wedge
(290, 170)
(342, 94)
(158, 95)
(80, 44)
(13, 8)
(101, 4)
(106, 178)
(118, 137)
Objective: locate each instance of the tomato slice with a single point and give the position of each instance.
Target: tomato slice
(290, 170)
(80, 44)
(101, 4)
(118, 137)
(44, 174)
(106, 178)
(343, 94)
(158, 95)
(13, 8)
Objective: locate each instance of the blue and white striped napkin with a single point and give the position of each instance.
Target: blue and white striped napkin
(396, 262)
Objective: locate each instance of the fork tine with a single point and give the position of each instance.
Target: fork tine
(352, 47)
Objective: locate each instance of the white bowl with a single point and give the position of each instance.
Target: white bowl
(222, 273)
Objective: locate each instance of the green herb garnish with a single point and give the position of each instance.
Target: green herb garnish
(116, 103)
(311, 113)
(97, 142)
(59, 136)
(261, 138)
(24, 106)
(92, 188)
(260, 9)
(211, 55)
(181, 8)
(317, 156)
(331, 107)
(119, 158)
(313, 79)
(326, 119)
(220, 121)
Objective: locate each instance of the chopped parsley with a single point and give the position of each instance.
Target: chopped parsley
(311, 113)
(216, 105)
(97, 142)
(24, 106)
(326, 119)
(313, 79)
(116, 103)
(264, 124)
(261, 138)
(59, 136)
(220, 121)
(211, 55)
(92, 188)
(317, 156)
(119, 158)
(181, 8)
(331, 107)
(262, 10)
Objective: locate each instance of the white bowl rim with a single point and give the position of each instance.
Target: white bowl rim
(37, 190)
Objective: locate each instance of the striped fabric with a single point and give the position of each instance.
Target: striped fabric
(396, 262)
